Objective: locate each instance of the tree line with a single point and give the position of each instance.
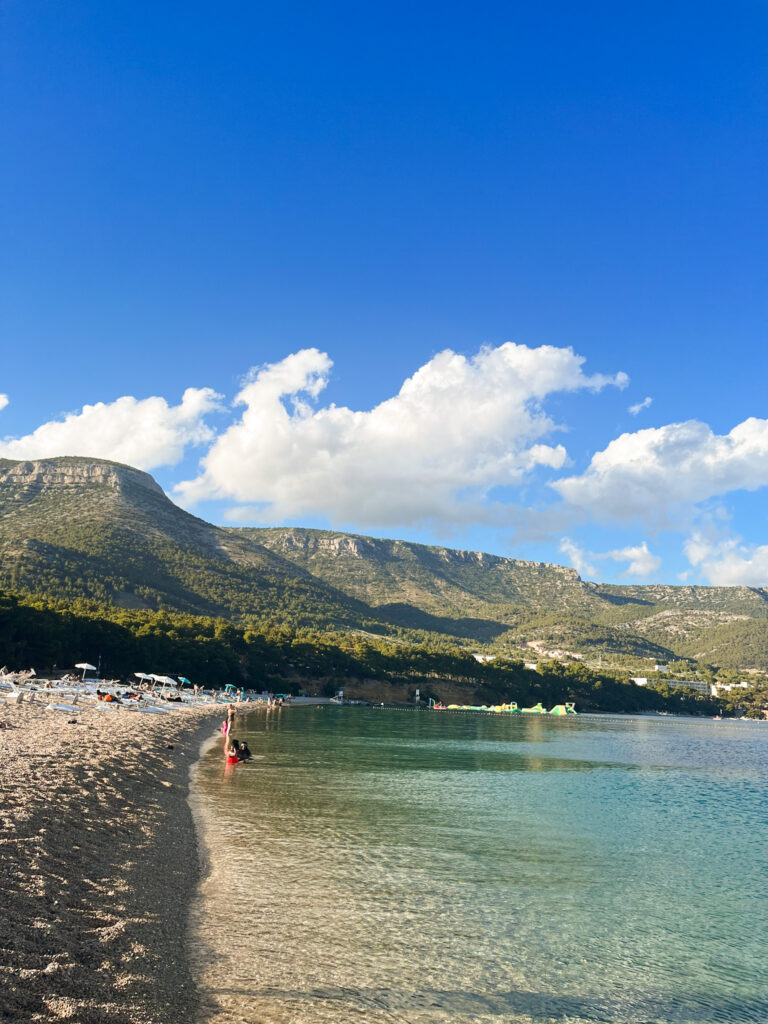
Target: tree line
(49, 634)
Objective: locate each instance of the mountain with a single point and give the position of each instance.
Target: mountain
(549, 606)
(75, 527)
(85, 528)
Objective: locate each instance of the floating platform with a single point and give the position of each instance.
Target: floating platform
(509, 709)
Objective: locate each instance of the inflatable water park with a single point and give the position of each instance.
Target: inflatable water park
(507, 709)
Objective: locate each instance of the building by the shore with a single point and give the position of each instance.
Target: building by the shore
(690, 684)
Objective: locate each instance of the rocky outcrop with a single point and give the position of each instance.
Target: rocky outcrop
(70, 471)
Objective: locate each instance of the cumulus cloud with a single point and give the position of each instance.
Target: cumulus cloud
(457, 428)
(647, 473)
(3, 401)
(728, 563)
(635, 409)
(642, 562)
(145, 433)
(577, 557)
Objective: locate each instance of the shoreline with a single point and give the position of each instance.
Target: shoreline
(99, 865)
(102, 853)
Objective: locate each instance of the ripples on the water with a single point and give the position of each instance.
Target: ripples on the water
(383, 866)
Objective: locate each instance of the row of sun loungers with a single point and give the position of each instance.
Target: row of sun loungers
(73, 697)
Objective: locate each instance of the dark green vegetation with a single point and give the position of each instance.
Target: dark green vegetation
(752, 703)
(46, 635)
(103, 541)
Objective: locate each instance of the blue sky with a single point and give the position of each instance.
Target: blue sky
(195, 192)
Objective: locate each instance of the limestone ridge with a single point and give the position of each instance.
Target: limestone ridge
(31, 477)
(86, 528)
(439, 580)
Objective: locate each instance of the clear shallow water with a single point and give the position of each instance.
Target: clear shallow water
(392, 866)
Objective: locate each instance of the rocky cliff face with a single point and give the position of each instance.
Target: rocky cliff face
(296, 542)
(437, 580)
(53, 500)
(32, 477)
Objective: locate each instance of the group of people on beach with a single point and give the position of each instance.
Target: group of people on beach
(235, 750)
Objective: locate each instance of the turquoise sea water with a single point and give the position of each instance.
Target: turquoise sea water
(378, 865)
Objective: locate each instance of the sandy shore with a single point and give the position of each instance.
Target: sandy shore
(98, 863)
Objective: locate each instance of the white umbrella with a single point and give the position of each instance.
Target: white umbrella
(142, 675)
(86, 667)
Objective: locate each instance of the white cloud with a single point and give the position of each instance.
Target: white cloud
(649, 472)
(739, 567)
(577, 557)
(698, 547)
(145, 433)
(645, 404)
(642, 562)
(3, 401)
(456, 429)
(728, 563)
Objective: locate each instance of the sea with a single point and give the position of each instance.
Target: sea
(383, 865)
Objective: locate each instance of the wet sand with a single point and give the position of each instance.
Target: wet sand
(98, 864)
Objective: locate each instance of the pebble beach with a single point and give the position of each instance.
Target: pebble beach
(98, 864)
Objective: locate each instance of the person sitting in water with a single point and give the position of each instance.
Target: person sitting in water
(244, 752)
(233, 752)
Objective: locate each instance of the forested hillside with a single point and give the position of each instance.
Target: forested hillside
(73, 529)
(511, 604)
(52, 635)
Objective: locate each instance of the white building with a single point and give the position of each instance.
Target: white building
(718, 688)
(691, 684)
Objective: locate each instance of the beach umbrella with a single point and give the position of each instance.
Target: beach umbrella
(86, 667)
(142, 675)
(165, 680)
(185, 680)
